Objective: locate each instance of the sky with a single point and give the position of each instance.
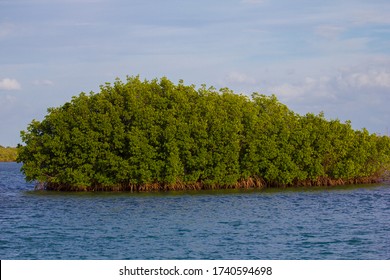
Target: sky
(331, 56)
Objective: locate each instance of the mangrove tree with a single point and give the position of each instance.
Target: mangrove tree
(156, 135)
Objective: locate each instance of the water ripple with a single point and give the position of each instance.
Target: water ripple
(321, 223)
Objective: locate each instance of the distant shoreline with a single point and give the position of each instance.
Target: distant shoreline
(8, 154)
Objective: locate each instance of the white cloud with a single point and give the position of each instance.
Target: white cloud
(9, 84)
(320, 88)
(240, 78)
(372, 78)
(359, 93)
(347, 84)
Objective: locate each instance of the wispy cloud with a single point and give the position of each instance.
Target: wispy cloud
(9, 84)
(239, 78)
(7, 100)
(253, 1)
(329, 31)
(377, 15)
(43, 83)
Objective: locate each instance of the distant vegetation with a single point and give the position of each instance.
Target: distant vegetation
(156, 135)
(7, 154)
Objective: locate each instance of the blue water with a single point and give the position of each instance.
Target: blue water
(322, 223)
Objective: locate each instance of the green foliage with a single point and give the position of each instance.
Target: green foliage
(157, 135)
(8, 154)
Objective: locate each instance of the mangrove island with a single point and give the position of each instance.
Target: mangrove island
(142, 135)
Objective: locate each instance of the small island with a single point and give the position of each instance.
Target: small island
(142, 135)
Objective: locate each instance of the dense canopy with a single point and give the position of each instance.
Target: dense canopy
(156, 135)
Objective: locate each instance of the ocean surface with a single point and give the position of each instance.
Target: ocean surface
(319, 223)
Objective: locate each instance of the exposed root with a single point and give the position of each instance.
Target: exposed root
(249, 183)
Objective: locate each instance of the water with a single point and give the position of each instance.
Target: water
(324, 223)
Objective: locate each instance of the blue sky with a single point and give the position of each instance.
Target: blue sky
(331, 56)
